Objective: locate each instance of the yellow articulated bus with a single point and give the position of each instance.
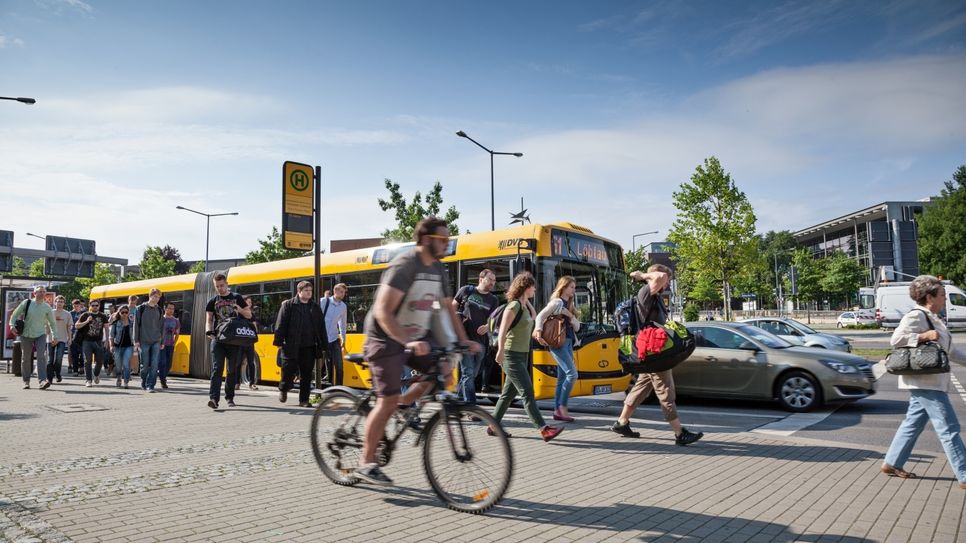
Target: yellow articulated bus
(548, 251)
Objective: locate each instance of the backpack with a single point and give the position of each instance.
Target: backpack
(493, 323)
(625, 318)
(461, 310)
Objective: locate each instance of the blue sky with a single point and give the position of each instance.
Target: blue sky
(815, 108)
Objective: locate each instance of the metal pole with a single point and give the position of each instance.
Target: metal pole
(317, 291)
(777, 291)
(492, 203)
(207, 237)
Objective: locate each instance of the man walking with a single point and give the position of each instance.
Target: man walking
(147, 338)
(58, 339)
(92, 324)
(222, 307)
(336, 315)
(76, 358)
(171, 329)
(300, 335)
(473, 305)
(37, 315)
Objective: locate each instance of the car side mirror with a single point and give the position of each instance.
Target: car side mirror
(748, 346)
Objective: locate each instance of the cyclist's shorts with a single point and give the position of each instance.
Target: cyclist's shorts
(386, 360)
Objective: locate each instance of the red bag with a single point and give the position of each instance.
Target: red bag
(650, 340)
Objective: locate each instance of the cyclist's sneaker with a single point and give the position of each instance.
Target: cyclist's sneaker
(549, 432)
(686, 437)
(372, 474)
(624, 429)
(413, 421)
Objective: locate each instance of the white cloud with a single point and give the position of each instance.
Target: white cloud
(7, 41)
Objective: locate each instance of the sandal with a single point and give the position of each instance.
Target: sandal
(897, 472)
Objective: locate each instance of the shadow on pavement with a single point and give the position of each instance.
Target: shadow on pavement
(16, 416)
(657, 522)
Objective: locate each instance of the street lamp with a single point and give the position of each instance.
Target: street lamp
(36, 236)
(634, 239)
(20, 99)
(208, 217)
(492, 207)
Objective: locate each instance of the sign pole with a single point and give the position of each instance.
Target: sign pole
(318, 263)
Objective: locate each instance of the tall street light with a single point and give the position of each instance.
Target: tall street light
(492, 207)
(20, 99)
(634, 239)
(37, 236)
(208, 217)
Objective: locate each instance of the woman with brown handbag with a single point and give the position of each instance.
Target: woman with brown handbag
(558, 323)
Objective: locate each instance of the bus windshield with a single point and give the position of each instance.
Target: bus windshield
(599, 290)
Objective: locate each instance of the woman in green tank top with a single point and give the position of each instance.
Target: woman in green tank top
(513, 351)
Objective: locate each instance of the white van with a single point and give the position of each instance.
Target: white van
(892, 301)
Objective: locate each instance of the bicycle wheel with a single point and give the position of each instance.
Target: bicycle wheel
(337, 430)
(468, 469)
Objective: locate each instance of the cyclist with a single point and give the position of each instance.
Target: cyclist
(411, 291)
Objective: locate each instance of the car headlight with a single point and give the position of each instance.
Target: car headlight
(839, 366)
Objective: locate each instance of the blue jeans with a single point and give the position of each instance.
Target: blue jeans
(167, 355)
(94, 354)
(934, 406)
(219, 353)
(150, 356)
(55, 359)
(566, 372)
(122, 362)
(470, 366)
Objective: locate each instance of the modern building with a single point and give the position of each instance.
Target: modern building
(659, 252)
(883, 238)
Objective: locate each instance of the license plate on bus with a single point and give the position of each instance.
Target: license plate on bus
(602, 389)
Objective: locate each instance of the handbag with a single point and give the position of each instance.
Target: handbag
(923, 359)
(236, 331)
(21, 323)
(554, 331)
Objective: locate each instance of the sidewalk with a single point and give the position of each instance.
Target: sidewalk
(122, 465)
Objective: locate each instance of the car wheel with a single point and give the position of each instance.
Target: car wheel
(838, 325)
(798, 391)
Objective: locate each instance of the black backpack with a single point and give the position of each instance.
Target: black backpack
(493, 322)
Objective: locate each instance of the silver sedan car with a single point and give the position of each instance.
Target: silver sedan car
(736, 360)
(797, 333)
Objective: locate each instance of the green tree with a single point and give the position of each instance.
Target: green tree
(691, 313)
(271, 249)
(715, 227)
(705, 292)
(19, 267)
(198, 267)
(37, 268)
(634, 260)
(155, 263)
(808, 276)
(842, 276)
(776, 248)
(408, 214)
(103, 275)
(942, 231)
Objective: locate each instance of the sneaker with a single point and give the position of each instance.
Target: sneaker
(45, 385)
(282, 396)
(87, 384)
(372, 474)
(549, 432)
(59, 379)
(26, 386)
(97, 380)
(686, 437)
(125, 384)
(625, 429)
(213, 404)
(151, 391)
(164, 385)
(231, 403)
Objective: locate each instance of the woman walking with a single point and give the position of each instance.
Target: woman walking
(562, 303)
(122, 344)
(928, 397)
(513, 349)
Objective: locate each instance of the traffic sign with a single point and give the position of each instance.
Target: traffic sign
(297, 209)
(72, 257)
(6, 251)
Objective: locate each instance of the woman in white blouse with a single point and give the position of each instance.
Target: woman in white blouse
(562, 303)
(928, 397)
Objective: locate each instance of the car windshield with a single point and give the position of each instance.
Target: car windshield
(800, 327)
(767, 338)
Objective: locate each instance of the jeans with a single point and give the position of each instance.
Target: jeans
(518, 380)
(76, 359)
(249, 361)
(91, 349)
(566, 372)
(27, 345)
(929, 405)
(164, 365)
(470, 366)
(150, 355)
(303, 366)
(220, 352)
(122, 362)
(55, 359)
(333, 362)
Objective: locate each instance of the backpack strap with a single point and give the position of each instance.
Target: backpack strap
(326, 310)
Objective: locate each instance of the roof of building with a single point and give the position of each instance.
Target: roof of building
(867, 214)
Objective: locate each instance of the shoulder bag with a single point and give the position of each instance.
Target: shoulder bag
(554, 331)
(236, 331)
(926, 358)
(21, 323)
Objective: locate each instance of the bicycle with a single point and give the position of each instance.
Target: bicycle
(468, 469)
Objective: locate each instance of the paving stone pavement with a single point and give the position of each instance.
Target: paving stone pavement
(164, 467)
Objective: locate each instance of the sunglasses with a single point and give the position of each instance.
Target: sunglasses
(436, 236)
(124, 312)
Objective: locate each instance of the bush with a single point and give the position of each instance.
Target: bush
(861, 326)
(691, 313)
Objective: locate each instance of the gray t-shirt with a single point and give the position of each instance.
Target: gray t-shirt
(147, 325)
(425, 288)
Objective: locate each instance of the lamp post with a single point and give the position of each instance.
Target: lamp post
(208, 217)
(492, 206)
(21, 99)
(634, 239)
(37, 236)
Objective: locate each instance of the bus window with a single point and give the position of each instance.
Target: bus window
(250, 289)
(359, 298)
(270, 302)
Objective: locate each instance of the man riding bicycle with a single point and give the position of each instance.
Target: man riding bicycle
(411, 291)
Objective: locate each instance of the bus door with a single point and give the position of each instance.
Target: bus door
(469, 274)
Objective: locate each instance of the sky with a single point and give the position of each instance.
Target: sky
(816, 109)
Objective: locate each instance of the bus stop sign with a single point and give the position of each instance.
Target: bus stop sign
(297, 209)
